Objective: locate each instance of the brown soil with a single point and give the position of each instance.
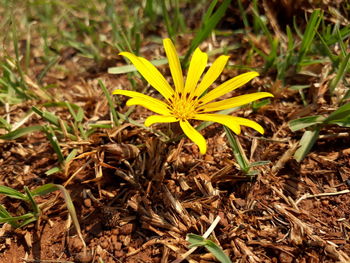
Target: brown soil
(147, 202)
(138, 204)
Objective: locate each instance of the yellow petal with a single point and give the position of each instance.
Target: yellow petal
(151, 74)
(159, 119)
(197, 65)
(153, 106)
(212, 74)
(226, 120)
(234, 102)
(148, 102)
(228, 86)
(249, 123)
(174, 64)
(194, 135)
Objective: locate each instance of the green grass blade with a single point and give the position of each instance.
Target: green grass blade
(342, 114)
(207, 27)
(209, 11)
(272, 56)
(305, 122)
(17, 218)
(217, 252)
(149, 11)
(4, 124)
(47, 116)
(262, 26)
(54, 142)
(166, 17)
(71, 209)
(343, 69)
(71, 155)
(28, 221)
(307, 141)
(61, 104)
(327, 50)
(4, 215)
(110, 103)
(196, 240)
(10, 192)
(163, 61)
(309, 34)
(53, 171)
(344, 34)
(131, 68)
(51, 118)
(340, 41)
(31, 200)
(237, 151)
(3, 212)
(20, 132)
(71, 111)
(48, 188)
(52, 62)
(44, 190)
(244, 15)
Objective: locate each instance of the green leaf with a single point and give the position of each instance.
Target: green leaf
(217, 252)
(256, 105)
(53, 171)
(71, 210)
(259, 163)
(16, 218)
(341, 115)
(54, 142)
(32, 202)
(110, 103)
(195, 240)
(71, 155)
(238, 152)
(21, 132)
(5, 214)
(305, 122)
(213, 248)
(307, 141)
(343, 69)
(163, 61)
(5, 124)
(28, 221)
(10, 192)
(131, 68)
(309, 34)
(207, 27)
(62, 104)
(80, 115)
(52, 119)
(48, 188)
(262, 24)
(166, 18)
(44, 190)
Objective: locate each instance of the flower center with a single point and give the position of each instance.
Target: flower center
(183, 108)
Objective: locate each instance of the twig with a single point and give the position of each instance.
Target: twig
(76, 172)
(206, 235)
(46, 261)
(336, 135)
(321, 194)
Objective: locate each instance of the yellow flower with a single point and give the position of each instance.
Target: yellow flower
(187, 100)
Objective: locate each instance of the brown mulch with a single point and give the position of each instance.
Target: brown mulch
(136, 204)
(137, 196)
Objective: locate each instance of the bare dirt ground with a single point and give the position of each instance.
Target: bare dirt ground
(149, 200)
(137, 196)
